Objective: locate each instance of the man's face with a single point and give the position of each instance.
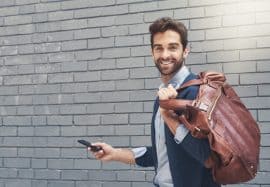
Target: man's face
(168, 52)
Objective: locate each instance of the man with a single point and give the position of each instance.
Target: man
(177, 157)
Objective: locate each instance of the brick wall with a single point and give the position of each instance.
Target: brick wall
(82, 69)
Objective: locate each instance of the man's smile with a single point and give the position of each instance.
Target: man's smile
(166, 62)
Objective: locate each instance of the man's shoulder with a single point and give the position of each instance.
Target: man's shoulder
(191, 91)
(191, 76)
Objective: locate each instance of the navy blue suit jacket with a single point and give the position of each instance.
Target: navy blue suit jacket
(186, 159)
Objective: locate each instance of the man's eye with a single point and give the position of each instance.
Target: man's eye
(158, 49)
(173, 48)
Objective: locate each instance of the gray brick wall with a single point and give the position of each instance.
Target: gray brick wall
(75, 69)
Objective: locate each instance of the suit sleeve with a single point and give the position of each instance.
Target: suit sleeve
(197, 148)
(146, 160)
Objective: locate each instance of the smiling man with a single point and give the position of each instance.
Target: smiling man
(177, 157)
(168, 53)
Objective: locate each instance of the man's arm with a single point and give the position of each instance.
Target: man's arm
(197, 148)
(170, 117)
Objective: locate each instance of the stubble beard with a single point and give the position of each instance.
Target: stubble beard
(169, 71)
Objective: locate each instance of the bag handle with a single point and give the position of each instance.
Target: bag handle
(208, 77)
(193, 82)
(175, 104)
(180, 104)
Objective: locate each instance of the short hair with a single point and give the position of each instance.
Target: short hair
(166, 23)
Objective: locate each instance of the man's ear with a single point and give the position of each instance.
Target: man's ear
(185, 53)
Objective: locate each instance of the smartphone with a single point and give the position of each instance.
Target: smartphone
(88, 144)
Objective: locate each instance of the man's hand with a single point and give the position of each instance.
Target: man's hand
(167, 93)
(109, 153)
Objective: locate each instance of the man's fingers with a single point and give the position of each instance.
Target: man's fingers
(99, 154)
(170, 86)
(99, 144)
(162, 94)
(173, 92)
(167, 93)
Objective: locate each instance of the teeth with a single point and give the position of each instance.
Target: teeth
(165, 62)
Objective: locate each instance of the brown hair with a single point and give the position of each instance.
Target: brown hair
(167, 23)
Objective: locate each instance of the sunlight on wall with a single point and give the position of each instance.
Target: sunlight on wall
(229, 32)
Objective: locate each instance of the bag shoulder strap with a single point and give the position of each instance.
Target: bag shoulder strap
(204, 78)
(189, 83)
(207, 77)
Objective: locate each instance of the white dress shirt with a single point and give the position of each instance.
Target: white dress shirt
(163, 176)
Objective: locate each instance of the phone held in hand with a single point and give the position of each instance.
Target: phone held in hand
(88, 144)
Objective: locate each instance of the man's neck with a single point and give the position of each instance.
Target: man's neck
(177, 78)
(166, 78)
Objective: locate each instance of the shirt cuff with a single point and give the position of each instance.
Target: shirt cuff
(180, 134)
(139, 151)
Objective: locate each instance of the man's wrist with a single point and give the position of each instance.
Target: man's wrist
(124, 155)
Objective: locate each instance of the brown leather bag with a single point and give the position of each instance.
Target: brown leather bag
(218, 114)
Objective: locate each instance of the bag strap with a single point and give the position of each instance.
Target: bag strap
(180, 104)
(202, 78)
(193, 82)
(208, 77)
(175, 104)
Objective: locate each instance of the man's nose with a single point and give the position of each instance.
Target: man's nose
(165, 54)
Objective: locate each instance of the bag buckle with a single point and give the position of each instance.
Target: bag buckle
(197, 129)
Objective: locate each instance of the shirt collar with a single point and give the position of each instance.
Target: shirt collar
(178, 78)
